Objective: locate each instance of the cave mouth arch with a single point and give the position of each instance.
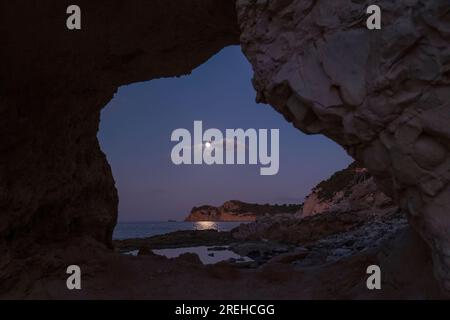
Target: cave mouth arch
(135, 133)
(56, 185)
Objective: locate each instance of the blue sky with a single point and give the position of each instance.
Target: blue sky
(135, 132)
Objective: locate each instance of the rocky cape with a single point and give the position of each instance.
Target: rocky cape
(235, 210)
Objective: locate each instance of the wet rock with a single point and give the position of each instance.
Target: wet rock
(217, 248)
(145, 251)
(190, 258)
(296, 254)
(177, 239)
(259, 248)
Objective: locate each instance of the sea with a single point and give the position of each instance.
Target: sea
(127, 230)
(208, 255)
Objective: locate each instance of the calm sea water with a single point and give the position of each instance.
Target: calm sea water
(125, 230)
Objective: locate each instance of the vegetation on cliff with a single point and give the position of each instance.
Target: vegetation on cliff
(341, 181)
(235, 210)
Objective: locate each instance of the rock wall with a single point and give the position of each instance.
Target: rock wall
(55, 182)
(383, 95)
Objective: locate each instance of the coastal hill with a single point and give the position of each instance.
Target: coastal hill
(350, 189)
(235, 210)
(345, 201)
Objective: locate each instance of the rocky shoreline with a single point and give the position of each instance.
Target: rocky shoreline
(343, 216)
(177, 239)
(322, 253)
(312, 241)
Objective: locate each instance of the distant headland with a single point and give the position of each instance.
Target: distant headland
(235, 210)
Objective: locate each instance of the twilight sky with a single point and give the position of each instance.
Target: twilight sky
(135, 134)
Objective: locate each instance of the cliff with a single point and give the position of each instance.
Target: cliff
(348, 190)
(351, 189)
(235, 210)
(346, 201)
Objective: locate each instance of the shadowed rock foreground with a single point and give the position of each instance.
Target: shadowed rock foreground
(404, 259)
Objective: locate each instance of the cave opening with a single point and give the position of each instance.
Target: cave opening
(135, 132)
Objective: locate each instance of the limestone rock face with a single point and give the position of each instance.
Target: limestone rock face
(383, 95)
(351, 189)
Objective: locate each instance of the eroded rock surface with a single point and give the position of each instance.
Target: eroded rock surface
(383, 95)
(56, 186)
